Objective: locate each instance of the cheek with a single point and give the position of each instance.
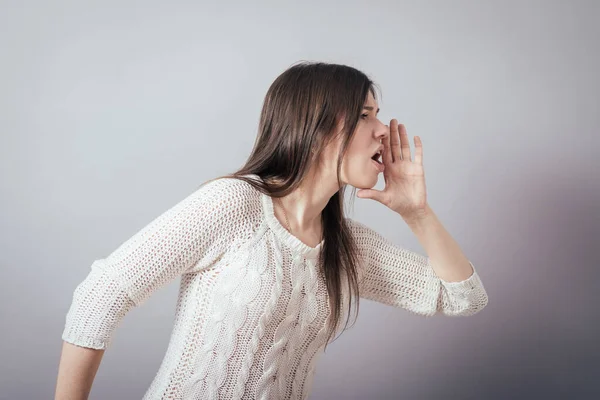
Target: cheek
(357, 154)
(356, 148)
(355, 164)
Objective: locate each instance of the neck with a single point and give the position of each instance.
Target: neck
(306, 203)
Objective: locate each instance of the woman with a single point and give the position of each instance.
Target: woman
(267, 258)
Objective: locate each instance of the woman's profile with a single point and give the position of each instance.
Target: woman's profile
(270, 264)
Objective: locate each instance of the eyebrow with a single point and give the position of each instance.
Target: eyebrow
(370, 108)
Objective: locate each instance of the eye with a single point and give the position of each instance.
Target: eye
(364, 116)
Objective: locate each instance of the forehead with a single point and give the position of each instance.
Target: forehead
(370, 101)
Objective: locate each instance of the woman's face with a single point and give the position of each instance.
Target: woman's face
(358, 167)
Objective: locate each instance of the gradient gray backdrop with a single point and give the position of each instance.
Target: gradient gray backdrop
(111, 112)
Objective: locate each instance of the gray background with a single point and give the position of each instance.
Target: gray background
(114, 111)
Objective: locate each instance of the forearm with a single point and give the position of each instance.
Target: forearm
(76, 372)
(447, 259)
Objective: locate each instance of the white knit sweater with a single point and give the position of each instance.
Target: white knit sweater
(252, 310)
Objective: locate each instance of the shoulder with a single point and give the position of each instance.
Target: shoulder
(360, 233)
(357, 228)
(365, 237)
(229, 187)
(230, 195)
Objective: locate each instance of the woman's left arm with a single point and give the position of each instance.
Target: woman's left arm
(392, 275)
(443, 281)
(447, 259)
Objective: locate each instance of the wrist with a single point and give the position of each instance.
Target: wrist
(417, 217)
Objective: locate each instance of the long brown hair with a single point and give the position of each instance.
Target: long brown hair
(298, 119)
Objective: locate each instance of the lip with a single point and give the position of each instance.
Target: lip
(380, 148)
(379, 167)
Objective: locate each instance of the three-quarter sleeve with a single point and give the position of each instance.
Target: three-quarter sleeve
(402, 278)
(188, 237)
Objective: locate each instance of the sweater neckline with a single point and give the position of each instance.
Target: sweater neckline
(294, 243)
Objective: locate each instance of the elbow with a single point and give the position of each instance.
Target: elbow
(96, 310)
(462, 305)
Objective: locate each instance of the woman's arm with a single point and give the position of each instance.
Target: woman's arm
(187, 238)
(399, 277)
(76, 372)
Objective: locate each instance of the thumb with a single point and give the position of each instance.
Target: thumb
(369, 194)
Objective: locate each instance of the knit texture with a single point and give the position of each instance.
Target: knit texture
(252, 310)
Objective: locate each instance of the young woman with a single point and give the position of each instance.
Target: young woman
(267, 258)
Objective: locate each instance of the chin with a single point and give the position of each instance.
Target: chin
(365, 181)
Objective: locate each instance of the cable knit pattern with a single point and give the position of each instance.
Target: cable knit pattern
(252, 311)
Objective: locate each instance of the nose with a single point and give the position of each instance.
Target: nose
(382, 131)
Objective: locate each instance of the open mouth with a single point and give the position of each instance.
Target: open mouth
(377, 160)
(377, 157)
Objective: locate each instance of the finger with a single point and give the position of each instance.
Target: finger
(372, 194)
(387, 155)
(395, 141)
(404, 143)
(418, 151)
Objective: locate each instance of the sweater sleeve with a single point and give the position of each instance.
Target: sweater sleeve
(399, 277)
(188, 237)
